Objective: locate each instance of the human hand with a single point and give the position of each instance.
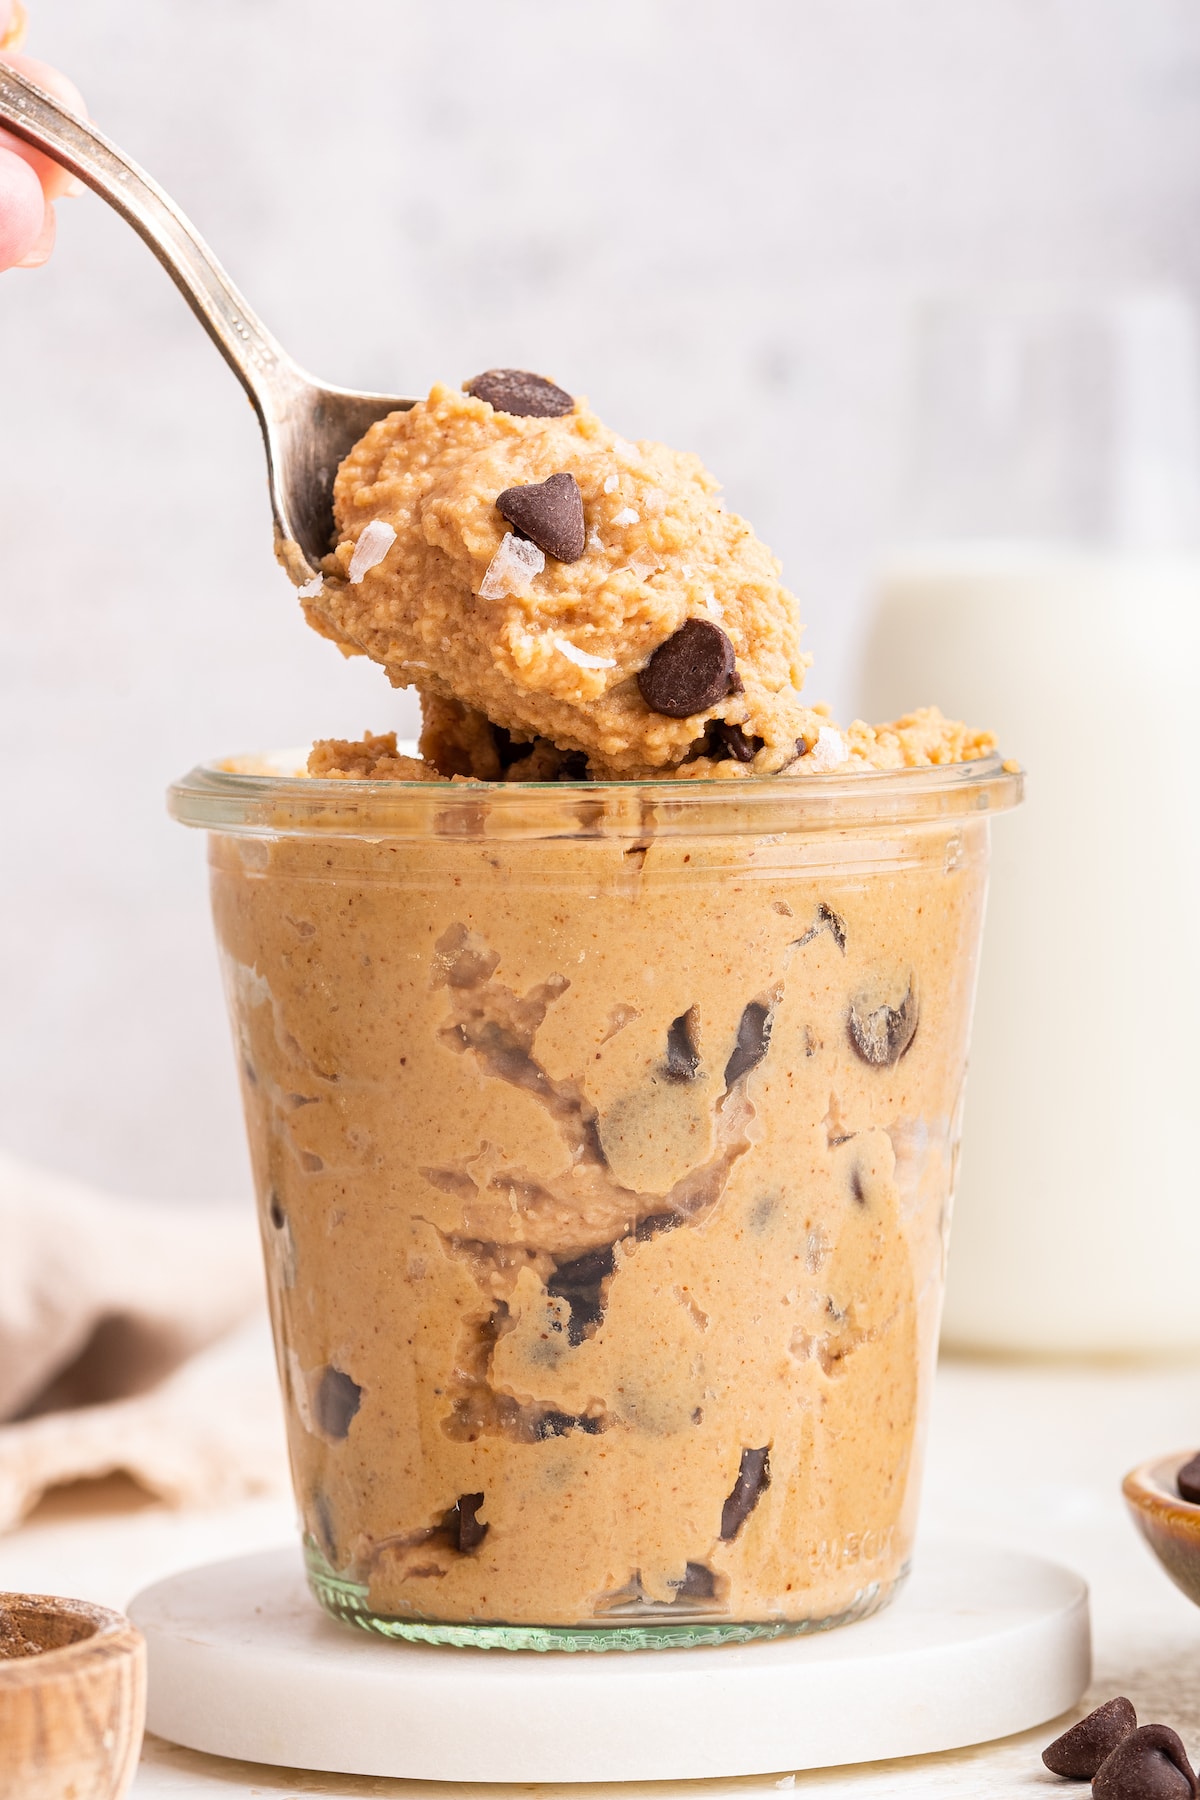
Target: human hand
(29, 181)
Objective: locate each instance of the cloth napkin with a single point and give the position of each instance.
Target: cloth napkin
(132, 1337)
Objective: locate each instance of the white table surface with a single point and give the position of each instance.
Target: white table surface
(1029, 1456)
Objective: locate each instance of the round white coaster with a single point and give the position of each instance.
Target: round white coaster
(980, 1642)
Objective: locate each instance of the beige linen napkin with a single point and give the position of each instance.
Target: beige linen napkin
(120, 1345)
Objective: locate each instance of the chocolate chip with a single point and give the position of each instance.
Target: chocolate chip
(1148, 1764)
(275, 1212)
(578, 1282)
(557, 1424)
(1188, 1481)
(1080, 1751)
(699, 1583)
(731, 741)
(655, 1223)
(336, 1402)
(518, 392)
(466, 1531)
(549, 513)
(826, 920)
(882, 1034)
(689, 672)
(754, 1478)
(801, 746)
(683, 1059)
(753, 1041)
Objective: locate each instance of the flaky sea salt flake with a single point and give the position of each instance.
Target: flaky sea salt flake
(512, 569)
(311, 589)
(373, 545)
(583, 659)
(626, 516)
(594, 540)
(643, 563)
(829, 752)
(611, 483)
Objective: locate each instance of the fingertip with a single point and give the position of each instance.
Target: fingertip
(23, 210)
(43, 245)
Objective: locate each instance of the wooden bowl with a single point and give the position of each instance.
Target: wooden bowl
(72, 1699)
(1170, 1526)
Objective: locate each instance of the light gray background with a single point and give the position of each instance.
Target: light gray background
(710, 218)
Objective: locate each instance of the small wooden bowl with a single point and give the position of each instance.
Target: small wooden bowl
(1170, 1526)
(72, 1699)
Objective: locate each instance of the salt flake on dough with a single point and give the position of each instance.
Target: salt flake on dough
(376, 540)
(583, 659)
(512, 569)
(829, 751)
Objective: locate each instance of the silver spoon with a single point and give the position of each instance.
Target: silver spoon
(307, 428)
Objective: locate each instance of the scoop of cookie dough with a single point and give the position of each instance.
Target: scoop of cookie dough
(672, 604)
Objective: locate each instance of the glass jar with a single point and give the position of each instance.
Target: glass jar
(604, 1139)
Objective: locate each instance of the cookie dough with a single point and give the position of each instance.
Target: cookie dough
(604, 1182)
(463, 608)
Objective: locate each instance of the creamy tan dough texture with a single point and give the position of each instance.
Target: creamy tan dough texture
(660, 549)
(568, 1228)
(544, 662)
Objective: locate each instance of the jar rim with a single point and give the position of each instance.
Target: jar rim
(269, 795)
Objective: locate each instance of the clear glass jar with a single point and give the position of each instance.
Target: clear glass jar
(604, 1139)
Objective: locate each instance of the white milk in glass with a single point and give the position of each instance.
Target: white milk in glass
(1077, 1222)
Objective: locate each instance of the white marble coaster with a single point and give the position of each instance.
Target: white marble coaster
(981, 1642)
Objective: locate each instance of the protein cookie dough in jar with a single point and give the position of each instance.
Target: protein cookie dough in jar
(604, 1141)
(602, 1061)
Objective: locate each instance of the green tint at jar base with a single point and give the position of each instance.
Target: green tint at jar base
(604, 1139)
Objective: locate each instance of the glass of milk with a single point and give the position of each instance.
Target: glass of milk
(1048, 585)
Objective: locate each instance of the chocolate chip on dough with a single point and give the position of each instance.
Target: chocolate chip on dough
(754, 1478)
(518, 392)
(731, 741)
(549, 513)
(1188, 1481)
(335, 1402)
(1149, 1764)
(880, 1033)
(689, 672)
(753, 1041)
(1080, 1751)
(466, 1531)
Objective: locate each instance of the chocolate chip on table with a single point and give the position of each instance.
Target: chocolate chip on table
(689, 672)
(754, 1478)
(1080, 1750)
(520, 393)
(549, 513)
(753, 1041)
(1188, 1481)
(466, 1531)
(1148, 1764)
(882, 1034)
(336, 1401)
(683, 1058)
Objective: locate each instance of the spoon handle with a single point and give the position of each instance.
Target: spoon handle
(264, 368)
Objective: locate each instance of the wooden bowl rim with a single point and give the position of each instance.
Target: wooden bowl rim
(1151, 1489)
(113, 1636)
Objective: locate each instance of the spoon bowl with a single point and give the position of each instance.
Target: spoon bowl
(307, 426)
